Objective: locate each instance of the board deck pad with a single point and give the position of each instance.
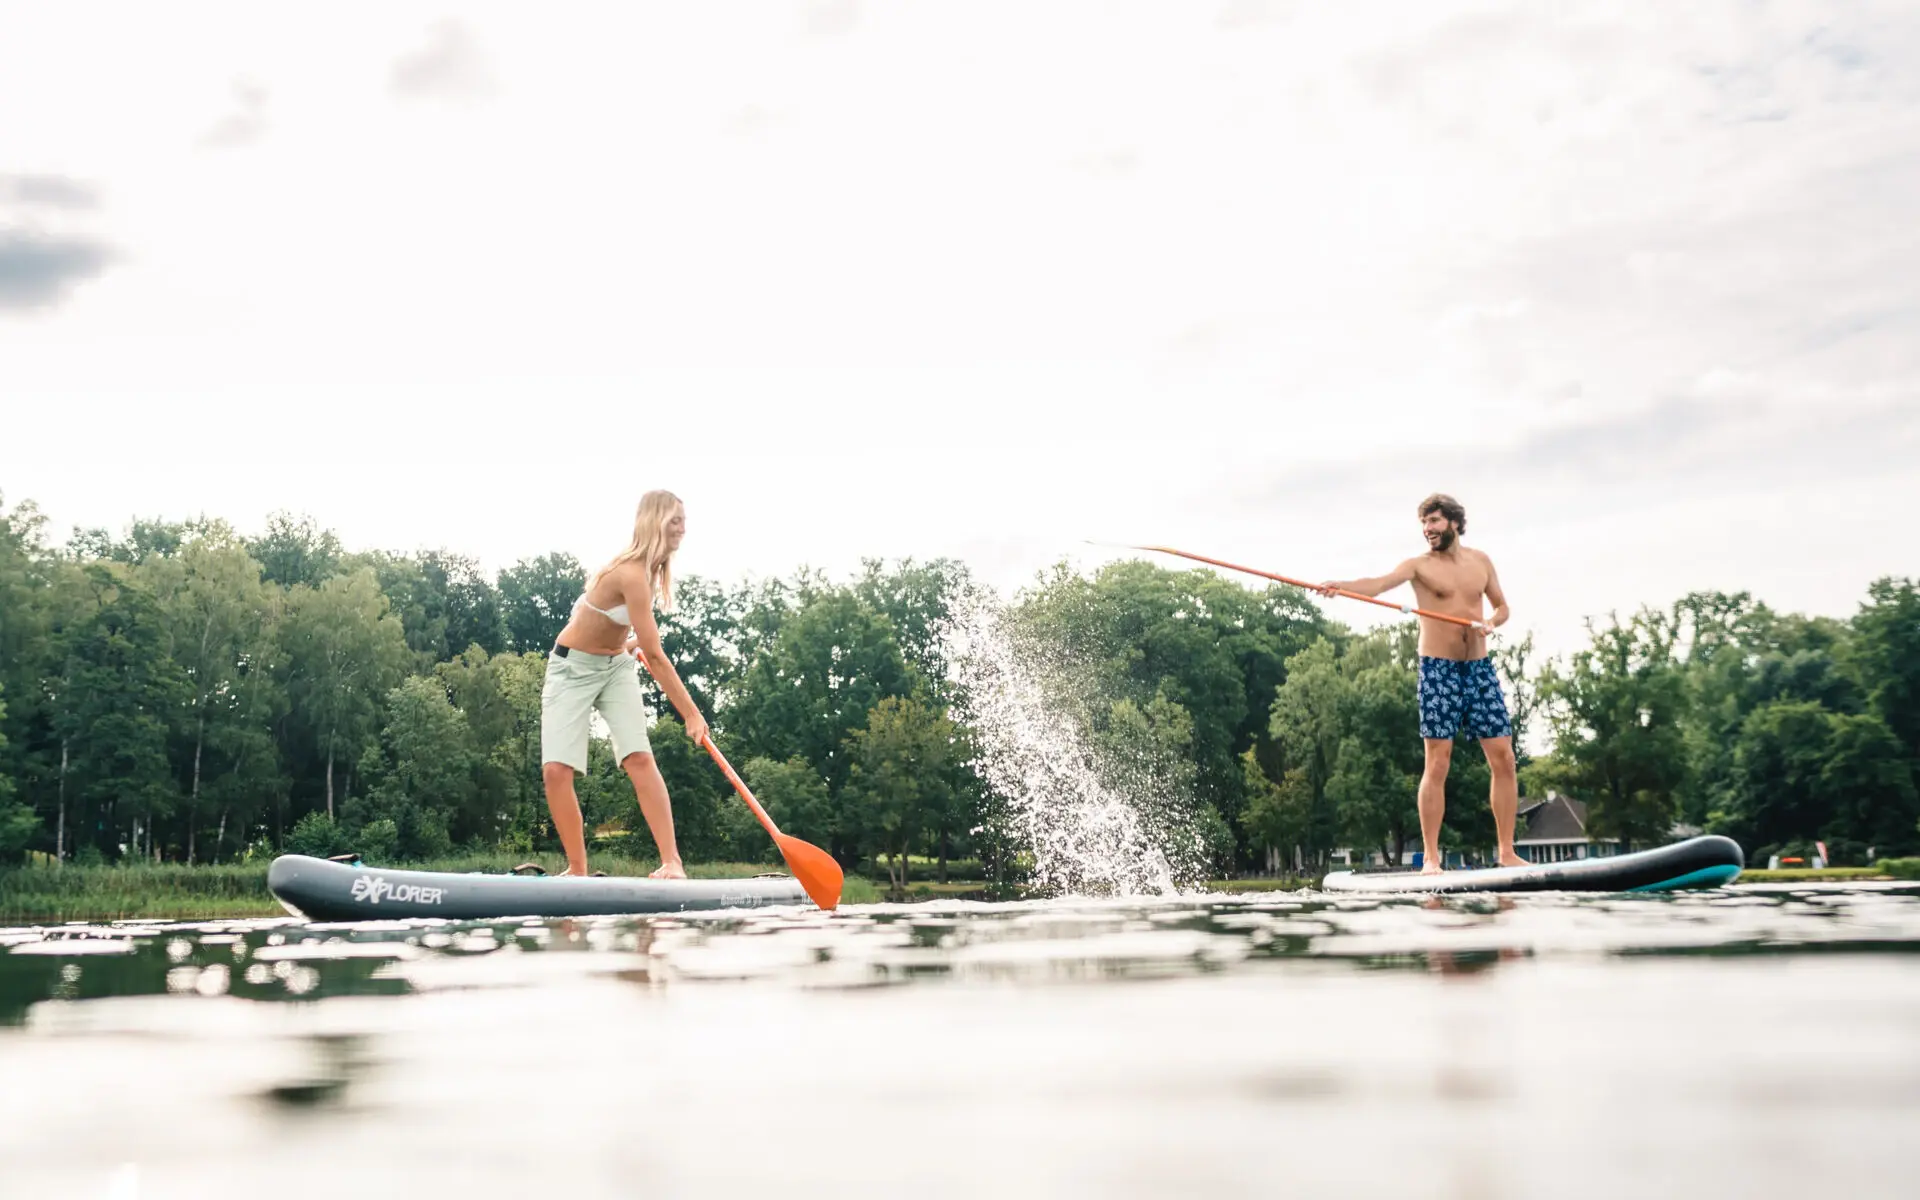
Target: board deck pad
(1701, 862)
(322, 890)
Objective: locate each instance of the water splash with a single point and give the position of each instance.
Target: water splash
(1094, 824)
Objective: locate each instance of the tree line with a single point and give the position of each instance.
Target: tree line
(182, 691)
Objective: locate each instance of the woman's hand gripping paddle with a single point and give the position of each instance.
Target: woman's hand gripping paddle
(812, 866)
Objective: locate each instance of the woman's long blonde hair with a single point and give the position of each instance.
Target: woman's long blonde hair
(649, 546)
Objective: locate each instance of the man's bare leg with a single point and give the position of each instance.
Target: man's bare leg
(1504, 796)
(658, 809)
(564, 807)
(1433, 801)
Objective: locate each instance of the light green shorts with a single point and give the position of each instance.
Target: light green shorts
(576, 685)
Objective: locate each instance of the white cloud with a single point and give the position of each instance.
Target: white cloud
(450, 66)
(246, 122)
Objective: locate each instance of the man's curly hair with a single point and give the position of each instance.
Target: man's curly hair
(1447, 507)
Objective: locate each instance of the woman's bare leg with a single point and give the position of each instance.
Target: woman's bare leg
(658, 809)
(564, 807)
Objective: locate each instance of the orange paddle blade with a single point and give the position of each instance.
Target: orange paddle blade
(812, 866)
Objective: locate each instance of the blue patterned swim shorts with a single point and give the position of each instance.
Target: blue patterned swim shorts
(1457, 694)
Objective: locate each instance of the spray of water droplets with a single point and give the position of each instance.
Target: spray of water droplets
(1093, 824)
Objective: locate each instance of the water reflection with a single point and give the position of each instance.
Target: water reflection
(1258, 1045)
(284, 959)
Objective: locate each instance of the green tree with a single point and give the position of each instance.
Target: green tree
(1802, 772)
(1617, 716)
(420, 775)
(1875, 800)
(343, 651)
(295, 552)
(114, 704)
(145, 540)
(1885, 658)
(499, 695)
(1279, 816)
(318, 835)
(443, 601)
(829, 664)
(1308, 727)
(1740, 655)
(474, 614)
(219, 617)
(18, 824)
(902, 775)
(536, 599)
(795, 797)
(918, 599)
(25, 641)
(701, 638)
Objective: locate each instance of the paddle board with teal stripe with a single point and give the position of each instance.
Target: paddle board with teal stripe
(1702, 862)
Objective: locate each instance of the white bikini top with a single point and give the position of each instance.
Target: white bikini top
(617, 614)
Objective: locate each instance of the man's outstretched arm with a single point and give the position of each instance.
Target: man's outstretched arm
(1375, 585)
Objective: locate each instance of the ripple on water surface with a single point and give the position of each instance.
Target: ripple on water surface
(1752, 1039)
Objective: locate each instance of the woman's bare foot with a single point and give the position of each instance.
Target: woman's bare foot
(1431, 865)
(1510, 859)
(670, 870)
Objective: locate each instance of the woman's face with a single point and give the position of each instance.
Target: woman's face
(676, 527)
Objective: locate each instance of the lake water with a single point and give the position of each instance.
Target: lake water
(1760, 1041)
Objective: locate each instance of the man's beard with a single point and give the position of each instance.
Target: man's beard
(1447, 539)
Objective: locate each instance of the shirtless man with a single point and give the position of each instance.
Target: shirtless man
(1458, 685)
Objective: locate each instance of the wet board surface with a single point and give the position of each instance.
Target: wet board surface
(1702, 862)
(321, 890)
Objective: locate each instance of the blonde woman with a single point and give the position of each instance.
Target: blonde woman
(593, 666)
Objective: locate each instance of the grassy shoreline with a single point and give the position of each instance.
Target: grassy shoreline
(1809, 875)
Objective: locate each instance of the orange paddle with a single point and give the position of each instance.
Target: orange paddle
(812, 866)
(1312, 587)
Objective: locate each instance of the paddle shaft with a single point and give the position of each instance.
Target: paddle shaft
(739, 785)
(1314, 587)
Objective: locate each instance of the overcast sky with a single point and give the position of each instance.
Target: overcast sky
(984, 280)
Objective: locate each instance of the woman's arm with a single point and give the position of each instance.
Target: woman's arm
(646, 639)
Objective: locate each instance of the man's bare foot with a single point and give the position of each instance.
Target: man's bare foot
(1510, 859)
(672, 870)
